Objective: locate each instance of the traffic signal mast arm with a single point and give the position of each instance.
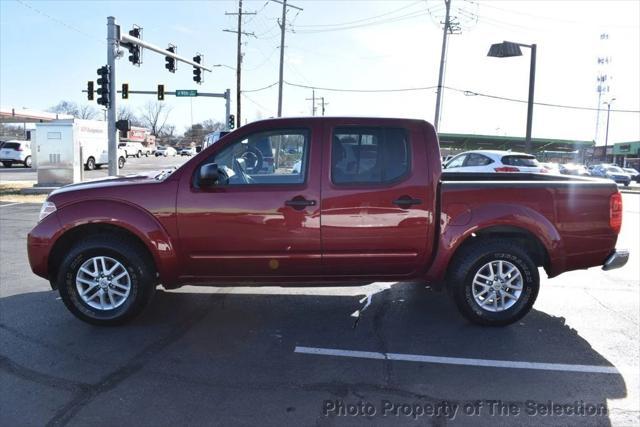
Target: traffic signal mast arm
(126, 38)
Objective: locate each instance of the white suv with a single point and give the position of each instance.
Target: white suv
(14, 152)
(494, 161)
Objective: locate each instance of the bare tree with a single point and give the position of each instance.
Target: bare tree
(87, 112)
(65, 107)
(125, 113)
(154, 116)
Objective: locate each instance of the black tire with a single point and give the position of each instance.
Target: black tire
(91, 164)
(131, 255)
(7, 164)
(139, 154)
(121, 162)
(470, 261)
(27, 162)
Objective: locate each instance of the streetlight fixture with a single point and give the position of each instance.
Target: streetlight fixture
(606, 137)
(506, 50)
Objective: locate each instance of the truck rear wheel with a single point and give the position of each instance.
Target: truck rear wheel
(121, 162)
(106, 279)
(91, 164)
(494, 283)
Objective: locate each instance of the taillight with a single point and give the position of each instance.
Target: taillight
(615, 212)
(19, 148)
(506, 169)
(544, 170)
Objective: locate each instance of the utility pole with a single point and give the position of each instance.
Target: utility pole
(323, 104)
(112, 140)
(313, 102)
(443, 55)
(239, 56)
(283, 26)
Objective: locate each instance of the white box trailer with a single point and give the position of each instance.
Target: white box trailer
(62, 146)
(90, 135)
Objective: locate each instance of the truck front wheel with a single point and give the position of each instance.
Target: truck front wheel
(106, 279)
(494, 283)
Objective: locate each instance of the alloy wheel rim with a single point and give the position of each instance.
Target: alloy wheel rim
(103, 283)
(497, 286)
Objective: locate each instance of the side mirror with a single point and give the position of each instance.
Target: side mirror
(209, 175)
(198, 148)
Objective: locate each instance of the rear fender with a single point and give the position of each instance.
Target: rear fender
(455, 229)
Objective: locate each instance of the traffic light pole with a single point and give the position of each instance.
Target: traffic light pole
(112, 47)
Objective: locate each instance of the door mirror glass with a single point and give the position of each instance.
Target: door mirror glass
(209, 175)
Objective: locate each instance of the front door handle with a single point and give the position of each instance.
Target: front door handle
(405, 202)
(299, 203)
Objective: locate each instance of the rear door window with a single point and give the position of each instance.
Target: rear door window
(475, 159)
(369, 155)
(519, 160)
(11, 145)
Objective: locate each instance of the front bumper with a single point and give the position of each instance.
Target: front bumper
(617, 259)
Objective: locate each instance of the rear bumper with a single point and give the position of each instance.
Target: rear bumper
(617, 259)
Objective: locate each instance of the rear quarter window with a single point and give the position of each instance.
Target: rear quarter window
(527, 161)
(11, 145)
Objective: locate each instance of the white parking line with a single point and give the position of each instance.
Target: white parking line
(457, 360)
(10, 204)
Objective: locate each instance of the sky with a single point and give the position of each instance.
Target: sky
(49, 49)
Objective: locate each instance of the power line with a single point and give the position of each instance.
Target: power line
(543, 104)
(58, 21)
(260, 89)
(411, 15)
(463, 91)
(362, 19)
(360, 90)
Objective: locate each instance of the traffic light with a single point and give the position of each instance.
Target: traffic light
(103, 85)
(124, 126)
(125, 90)
(171, 62)
(197, 72)
(90, 90)
(232, 122)
(160, 92)
(135, 51)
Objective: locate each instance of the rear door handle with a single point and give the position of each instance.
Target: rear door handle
(406, 202)
(300, 203)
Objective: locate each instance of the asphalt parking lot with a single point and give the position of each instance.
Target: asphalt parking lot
(277, 356)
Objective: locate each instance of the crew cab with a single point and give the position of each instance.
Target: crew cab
(348, 200)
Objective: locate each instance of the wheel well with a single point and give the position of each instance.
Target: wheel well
(525, 239)
(68, 239)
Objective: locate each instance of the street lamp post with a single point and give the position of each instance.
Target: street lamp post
(506, 50)
(606, 135)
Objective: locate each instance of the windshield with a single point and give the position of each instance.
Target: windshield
(520, 160)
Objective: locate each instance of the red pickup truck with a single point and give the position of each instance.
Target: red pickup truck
(346, 200)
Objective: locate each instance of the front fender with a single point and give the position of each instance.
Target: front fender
(458, 227)
(131, 218)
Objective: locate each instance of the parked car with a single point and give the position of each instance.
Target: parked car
(494, 161)
(187, 151)
(573, 169)
(551, 167)
(634, 174)
(15, 152)
(612, 172)
(134, 149)
(166, 151)
(392, 215)
(213, 137)
(104, 159)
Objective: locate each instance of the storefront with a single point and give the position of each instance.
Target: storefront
(627, 154)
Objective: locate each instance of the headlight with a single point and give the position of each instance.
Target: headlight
(47, 209)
